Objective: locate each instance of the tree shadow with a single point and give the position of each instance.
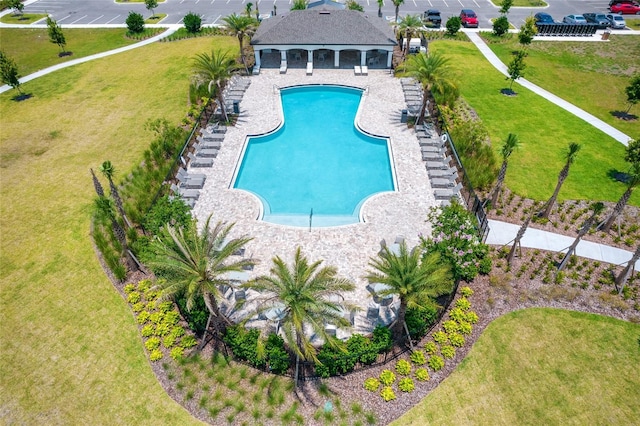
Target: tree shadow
(508, 92)
(618, 176)
(623, 115)
(22, 97)
(63, 54)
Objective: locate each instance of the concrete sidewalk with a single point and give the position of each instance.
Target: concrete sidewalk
(73, 62)
(501, 233)
(594, 121)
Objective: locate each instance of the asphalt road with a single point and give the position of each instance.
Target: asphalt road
(102, 12)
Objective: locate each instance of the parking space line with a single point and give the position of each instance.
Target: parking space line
(96, 19)
(476, 3)
(62, 19)
(212, 1)
(461, 4)
(216, 20)
(111, 20)
(79, 19)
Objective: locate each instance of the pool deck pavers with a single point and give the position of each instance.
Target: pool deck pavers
(348, 247)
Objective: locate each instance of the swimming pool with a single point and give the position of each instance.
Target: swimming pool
(317, 168)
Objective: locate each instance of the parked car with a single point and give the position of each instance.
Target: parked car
(469, 18)
(617, 21)
(543, 18)
(612, 2)
(625, 9)
(433, 16)
(597, 18)
(574, 19)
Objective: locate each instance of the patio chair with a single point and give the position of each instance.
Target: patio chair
(442, 164)
(309, 68)
(447, 194)
(364, 70)
(185, 193)
(206, 153)
(199, 161)
(357, 70)
(373, 312)
(186, 182)
(451, 173)
(442, 182)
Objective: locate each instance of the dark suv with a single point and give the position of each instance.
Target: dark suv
(469, 18)
(432, 16)
(597, 18)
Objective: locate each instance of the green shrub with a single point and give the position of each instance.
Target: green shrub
(137, 307)
(156, 317)
(277, 356)
(463, 303)
(466, 291)
(192, 22)
(171, 318)
(456, 339)
(372, 384)
(165, 306)
(129, 288)
(177, 353)
(244, 344)
(430, 348)
(166, 210)
(169, 341)
(419, 320)
(177, 332)
(143, 317)
(188, 342)
(406, 384)
(362, 349)
(500, 25)
(458, 315)
(418, 357)
(387, 377)
(440, 337)
(472, 317)
(436, 363)
(450, 326)
(150, 306)
(335, 360)
(403, 367)
(144, 285)
(422, 374)
(387, 394)
(135, 22)
(197, 317)
(382, 338)
(156, 355)
(147, 330)
(152, 343)
(448, 351)
(465, 328)
(162, 329)
(133, 297)
(453, 25)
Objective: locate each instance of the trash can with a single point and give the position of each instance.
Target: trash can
(606, 34)
(404, 116)
(236, 107)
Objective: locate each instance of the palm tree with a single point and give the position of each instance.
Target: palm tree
(380, 4)
(306, 294)
(213, 71)
(397, 4)
(408, 27)
(596, 209)
(198, 262)
(247, 9)
(241, 26)
(106, 212)
(433, 72)
(96, 184)
(516, 241)
(414, 278)
(107, 169)
(632, 183)
(509, 145)
(621, 279)
(569, 159)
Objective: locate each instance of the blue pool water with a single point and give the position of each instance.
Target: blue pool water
(317, 160)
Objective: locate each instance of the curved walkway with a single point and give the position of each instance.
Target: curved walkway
(501, 233)
(73, 62)
(580, 113)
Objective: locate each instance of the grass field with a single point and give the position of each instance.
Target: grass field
(24, 19)
(71, 353)
(592, 76)
(542, 367)
(545, 131)
(41, 53)
(522, 3)
(154, 19)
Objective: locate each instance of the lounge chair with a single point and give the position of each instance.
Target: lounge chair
(309, 68)
(442, 164)
(451, 173)
(185, 193)
(357, 70)
(283, 67)
(447, 194)
(432, 156)
(187, 182)
(199, 161)
(442, 182)
(207, 153)
(208, 145)
(211, 137)
(364, 70)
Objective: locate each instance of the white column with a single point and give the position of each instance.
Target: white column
(256, 53)
(363, 58)
(336, 59)
(389, 57)
(309, 55)
(283, 56)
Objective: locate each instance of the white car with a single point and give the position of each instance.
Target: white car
(574, 19)
(617, 21)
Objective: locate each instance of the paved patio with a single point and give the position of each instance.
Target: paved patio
(347, 247)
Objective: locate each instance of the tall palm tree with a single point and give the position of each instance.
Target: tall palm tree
(213, 71)
(433, 72)
(241, 26)
(408, 27)
(632, 183)
(415, 278)
(621, 279)
(198, 262)
(516, 241)
(107, 169)
(596, 209)
(106, 212)
(380, 4)
(564, 173)
(96, 184)
(509, 145)
(307, 296)
(397, 4)
(247, 9)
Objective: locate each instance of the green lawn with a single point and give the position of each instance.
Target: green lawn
(522, 3)
(71, 353)
(545, 131)
(154, 19)
(32, 50)
(592, 76)
(542, 367)
(24, 19)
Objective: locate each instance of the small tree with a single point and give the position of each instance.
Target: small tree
(56, 36)
(135, 22)
(299, 5)
(527, 31)
(633, 92)
(380, 4)
(354, 5)
(151, 4)
(16, 5)
(192, 22)
(569, 158)
(453, 25)
(248, 8)
(500, 26)
(632, 154)
(505, 6)
(516, 67)
(9, 72)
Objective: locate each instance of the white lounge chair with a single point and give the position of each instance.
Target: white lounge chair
(283, 67)
(447, 194)
(199, 161)
(309, 68)
(364, 70)
(357, 70)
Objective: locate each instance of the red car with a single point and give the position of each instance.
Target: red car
(469, 18)
(625, 9)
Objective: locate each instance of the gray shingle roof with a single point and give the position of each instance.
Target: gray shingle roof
(324, 27)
